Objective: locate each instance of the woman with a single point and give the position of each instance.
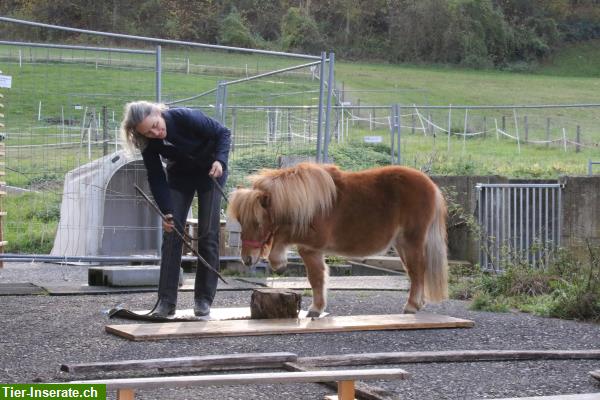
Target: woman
(195, 149)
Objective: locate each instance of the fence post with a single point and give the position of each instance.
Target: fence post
(578, 140)
(328, 114)
(320, 113)
(484, 127)
(526, 123)
(104, 130)
(398, 129)
(289, 125)
(158, 76)
(392, 136)
(547, 132)
(233, 128)
(449, 124)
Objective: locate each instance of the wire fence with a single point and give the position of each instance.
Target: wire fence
(66, 176)
(63, 111)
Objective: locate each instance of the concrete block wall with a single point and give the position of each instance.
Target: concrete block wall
(580, 211)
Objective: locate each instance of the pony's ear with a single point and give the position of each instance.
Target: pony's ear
(265, 200)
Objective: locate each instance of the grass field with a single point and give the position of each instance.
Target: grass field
(51, 86)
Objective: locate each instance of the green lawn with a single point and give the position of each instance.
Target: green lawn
(51, 86)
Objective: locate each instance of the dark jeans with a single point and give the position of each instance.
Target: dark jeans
(209, 206)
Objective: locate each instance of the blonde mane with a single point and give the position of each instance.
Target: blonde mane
(297, 194)
(245, 207)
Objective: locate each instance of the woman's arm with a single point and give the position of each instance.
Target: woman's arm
(157, 179)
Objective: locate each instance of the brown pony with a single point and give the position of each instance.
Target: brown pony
(323, 210)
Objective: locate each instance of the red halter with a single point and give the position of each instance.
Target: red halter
(255, 244)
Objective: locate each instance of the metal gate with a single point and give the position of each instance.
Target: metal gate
(520, 224)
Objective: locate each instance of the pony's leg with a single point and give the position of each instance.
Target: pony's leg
(317, 272)
(412, 255)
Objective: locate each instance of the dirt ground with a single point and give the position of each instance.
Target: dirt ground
(40, 332)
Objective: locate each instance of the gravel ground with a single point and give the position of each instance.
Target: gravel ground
(38, 333)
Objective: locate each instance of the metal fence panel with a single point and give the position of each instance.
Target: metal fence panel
(520, 224)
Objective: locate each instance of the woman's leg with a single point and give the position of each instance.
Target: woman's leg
(171, 248)
(209, 218)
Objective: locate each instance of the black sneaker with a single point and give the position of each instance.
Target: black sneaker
(201, 307)
(163, 309)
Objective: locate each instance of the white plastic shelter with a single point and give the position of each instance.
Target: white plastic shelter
(101, 213)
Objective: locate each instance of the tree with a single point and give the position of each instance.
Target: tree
(234, 32)
(300, 32)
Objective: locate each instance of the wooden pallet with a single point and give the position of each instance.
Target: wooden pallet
(199, 329)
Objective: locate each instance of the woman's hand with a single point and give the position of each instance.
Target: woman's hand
(168, 223)
(216, 170)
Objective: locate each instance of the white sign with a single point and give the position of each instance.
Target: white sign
(5, 81)
(372, 139)
(78, 107)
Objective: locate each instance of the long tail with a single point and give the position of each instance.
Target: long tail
(436, 276)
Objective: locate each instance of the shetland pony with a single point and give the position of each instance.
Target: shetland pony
(323, 210)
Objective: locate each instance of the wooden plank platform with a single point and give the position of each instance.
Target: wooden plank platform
(199, 329)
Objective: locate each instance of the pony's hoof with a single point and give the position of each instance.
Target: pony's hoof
(279, 271)
(409, 310)
(313, 314)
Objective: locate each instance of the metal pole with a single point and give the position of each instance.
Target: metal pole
(399, 129)
(71, 47)
(156, 40)
(158, 74)
(330, 82)
(392, 132)
(320, 114)
(218, 101)
(159, 231)
(104, 130)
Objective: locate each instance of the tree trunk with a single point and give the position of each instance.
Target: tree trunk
(274, 303)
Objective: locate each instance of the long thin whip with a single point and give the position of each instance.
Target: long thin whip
(220, 189)
(181, 236)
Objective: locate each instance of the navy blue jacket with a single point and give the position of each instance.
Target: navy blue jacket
(193, 143)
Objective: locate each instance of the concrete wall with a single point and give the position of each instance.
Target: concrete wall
(580, 212)
(461, 243)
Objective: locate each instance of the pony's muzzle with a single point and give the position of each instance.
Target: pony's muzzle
(247, 260)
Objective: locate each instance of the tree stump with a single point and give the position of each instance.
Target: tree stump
(274, 303)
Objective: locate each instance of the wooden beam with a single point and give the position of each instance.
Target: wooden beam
(447, 356)
(252, 379)
(253, 360)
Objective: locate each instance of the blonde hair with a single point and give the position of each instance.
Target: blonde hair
(134, 113)
(297, 194)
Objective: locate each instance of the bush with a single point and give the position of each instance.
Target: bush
(300, 32)
(568, 288)
(234, 32)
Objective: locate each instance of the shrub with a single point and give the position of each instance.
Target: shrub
(234, 32)
(300, 32)
(567, 288)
